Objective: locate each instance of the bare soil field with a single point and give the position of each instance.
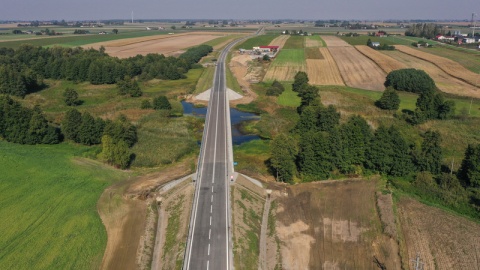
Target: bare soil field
(449, 66)
(333, 41)
(165, 44)
(444, 81)
(441, 239)
(324, 71)
(332, 225)
(385, 62)
(356, 69)
(279, 41)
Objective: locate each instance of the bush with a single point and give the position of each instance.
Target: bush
(161, 103)
(276, 89)
(146, 104)
(410, 80)
(71, 97)
(389, 100)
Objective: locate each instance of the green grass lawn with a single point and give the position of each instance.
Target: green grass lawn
(294, 42)
(48, 201)
(288, 97)
(262, 40)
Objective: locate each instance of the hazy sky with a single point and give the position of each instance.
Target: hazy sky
(237, 9)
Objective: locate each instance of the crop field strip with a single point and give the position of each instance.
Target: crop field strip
(444, 81)
(279, 41)
(385, 62)
(288, 61)
(467, 58)
(313, 53)
(314, 41)
(356, 69)
(449, 66)
(323, 71)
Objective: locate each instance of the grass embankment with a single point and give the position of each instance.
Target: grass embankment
(247, 221)
(48, 207)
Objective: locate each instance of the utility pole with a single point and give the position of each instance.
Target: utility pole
(132, 16)
(474, 22)
(418, 264)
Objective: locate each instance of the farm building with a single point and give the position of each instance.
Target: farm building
(375, 44)
(266, 49)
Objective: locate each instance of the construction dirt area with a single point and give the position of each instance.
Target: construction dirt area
(161, 44)
(128, 211)
(331, 225)
(246, 71)
(357, 70)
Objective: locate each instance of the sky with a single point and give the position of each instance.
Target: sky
(238, 10)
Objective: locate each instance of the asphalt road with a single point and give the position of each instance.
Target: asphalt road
(208, 246)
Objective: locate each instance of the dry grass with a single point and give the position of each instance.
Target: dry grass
(324, 71)
(449, 66)
(357, 70)
(443, 240)
(444, 81)
(283, 73)
(385, 62)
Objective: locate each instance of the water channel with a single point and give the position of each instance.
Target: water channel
(236, 118)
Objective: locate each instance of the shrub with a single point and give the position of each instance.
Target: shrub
(410, 80)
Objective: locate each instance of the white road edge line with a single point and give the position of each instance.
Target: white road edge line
(209, 233)
(208, 249)
(199, 185)
(210, 220)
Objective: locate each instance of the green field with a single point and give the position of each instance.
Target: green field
(288, 97)
(78, 40)
(294, 42)
(262, 40)
(48, 199)
(289, 57)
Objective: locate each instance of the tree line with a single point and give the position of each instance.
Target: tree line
(22, 71)
(426, 30)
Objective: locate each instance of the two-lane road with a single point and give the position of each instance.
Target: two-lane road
(208, 246)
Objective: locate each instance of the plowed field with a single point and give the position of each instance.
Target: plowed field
(442, 240)
(449, 66)
(385, 62)
(165, 44)
(324, 71)
(356, 69)
(444, 81)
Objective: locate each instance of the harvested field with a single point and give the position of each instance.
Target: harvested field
(165, 44)
(324, 71)
(279, 41)
(442, 240)
(444, 81)
(356, 69)
(283, 73)
(449, 66)
(385, 62)
(332, 225)
(333, 41)
(313, 41)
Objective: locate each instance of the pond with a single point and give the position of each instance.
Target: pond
(236, 118)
